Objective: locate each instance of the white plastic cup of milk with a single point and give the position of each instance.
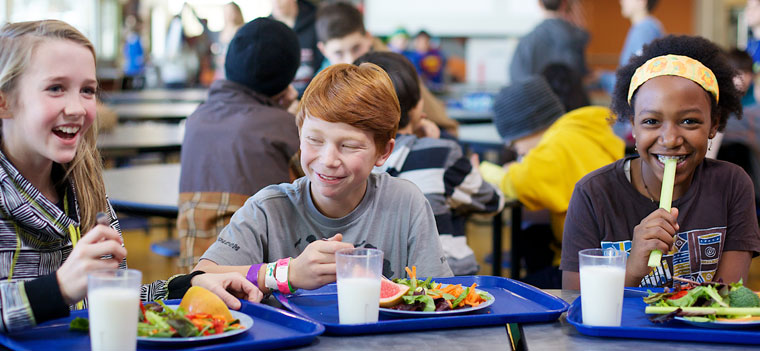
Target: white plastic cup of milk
(113, 297)
(358, 272)
(602, 283)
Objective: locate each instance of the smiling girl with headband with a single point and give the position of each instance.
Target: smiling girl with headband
(677, 95)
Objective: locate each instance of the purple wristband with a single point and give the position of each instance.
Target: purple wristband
(253, 274)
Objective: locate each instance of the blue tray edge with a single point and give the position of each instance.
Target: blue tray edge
(272, 314)
(553, 312)
(681, 334)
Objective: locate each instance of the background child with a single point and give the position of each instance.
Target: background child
(300, 15)
(644, 28)
(678, 94)
(555, 150)
(438, 167)
(555, 39)
(428, 61)
(50, 181)
(343, 38)
(242, 126)
(347, 119)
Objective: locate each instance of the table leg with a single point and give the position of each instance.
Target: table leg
(516, 256)
(496, 237)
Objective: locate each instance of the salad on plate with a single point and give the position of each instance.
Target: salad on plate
(413, 294)
(707, 303)
(199, 314)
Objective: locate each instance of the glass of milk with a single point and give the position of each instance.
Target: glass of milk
(602, 283)
(114, 301)
(358, 272)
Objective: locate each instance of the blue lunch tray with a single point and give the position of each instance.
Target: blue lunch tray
(635, 324)
(272, 328)
(515, 302)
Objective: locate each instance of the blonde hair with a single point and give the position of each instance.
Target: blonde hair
(360, 96)
(18, 41)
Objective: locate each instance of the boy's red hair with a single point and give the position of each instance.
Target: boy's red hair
(360, 96)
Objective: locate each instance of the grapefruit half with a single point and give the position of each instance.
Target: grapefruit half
(200, 300)
(391, 293)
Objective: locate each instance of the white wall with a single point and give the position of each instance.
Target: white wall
(455, 18)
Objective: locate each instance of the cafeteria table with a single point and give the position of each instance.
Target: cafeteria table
(557, 335)
(466, 116)
(147, 111)
(155, 95)
(481, 134)
(130, 139)
(145, 190)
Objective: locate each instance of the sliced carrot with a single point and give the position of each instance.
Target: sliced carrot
(409, 272)
(414, 271)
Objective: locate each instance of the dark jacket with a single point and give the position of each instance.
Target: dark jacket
(238, 141)
(552, 41)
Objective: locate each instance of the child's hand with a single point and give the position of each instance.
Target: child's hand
(428, 129)
(86, 257)
(475, 160)
(315, 266)
(655, 232)
(229, 287)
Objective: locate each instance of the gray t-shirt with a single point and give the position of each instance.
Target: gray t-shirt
(281, 220)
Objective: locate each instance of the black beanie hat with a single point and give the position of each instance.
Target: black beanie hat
(264, 56)
(525, 107)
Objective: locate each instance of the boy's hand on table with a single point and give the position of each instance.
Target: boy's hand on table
(229, 287)
(315, 266)
(86, 257)
(655, 232)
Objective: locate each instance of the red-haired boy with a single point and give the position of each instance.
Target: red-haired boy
(347, 121)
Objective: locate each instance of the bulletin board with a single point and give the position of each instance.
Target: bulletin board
(452, 18)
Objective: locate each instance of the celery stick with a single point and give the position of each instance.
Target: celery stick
(666, 198)
(704, 311)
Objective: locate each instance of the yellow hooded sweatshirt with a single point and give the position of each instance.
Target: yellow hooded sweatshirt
(577, 143)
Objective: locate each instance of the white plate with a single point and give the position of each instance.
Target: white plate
(721, 324)
(488, 302)
(245, 320)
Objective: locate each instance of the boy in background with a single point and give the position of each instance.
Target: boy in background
(300, 15)
(241, 138)
(644, 29)
(428, 61)
(347, 121)
(555, 39)
(343, 38)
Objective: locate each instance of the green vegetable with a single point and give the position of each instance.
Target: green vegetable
(741, 296)
(79, 324)
(705, 311)
(427, 300)
(156, 320)
(712, 292)
(461, 297)
(183, 326)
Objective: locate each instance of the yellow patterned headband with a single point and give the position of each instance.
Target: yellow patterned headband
(674, 65)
